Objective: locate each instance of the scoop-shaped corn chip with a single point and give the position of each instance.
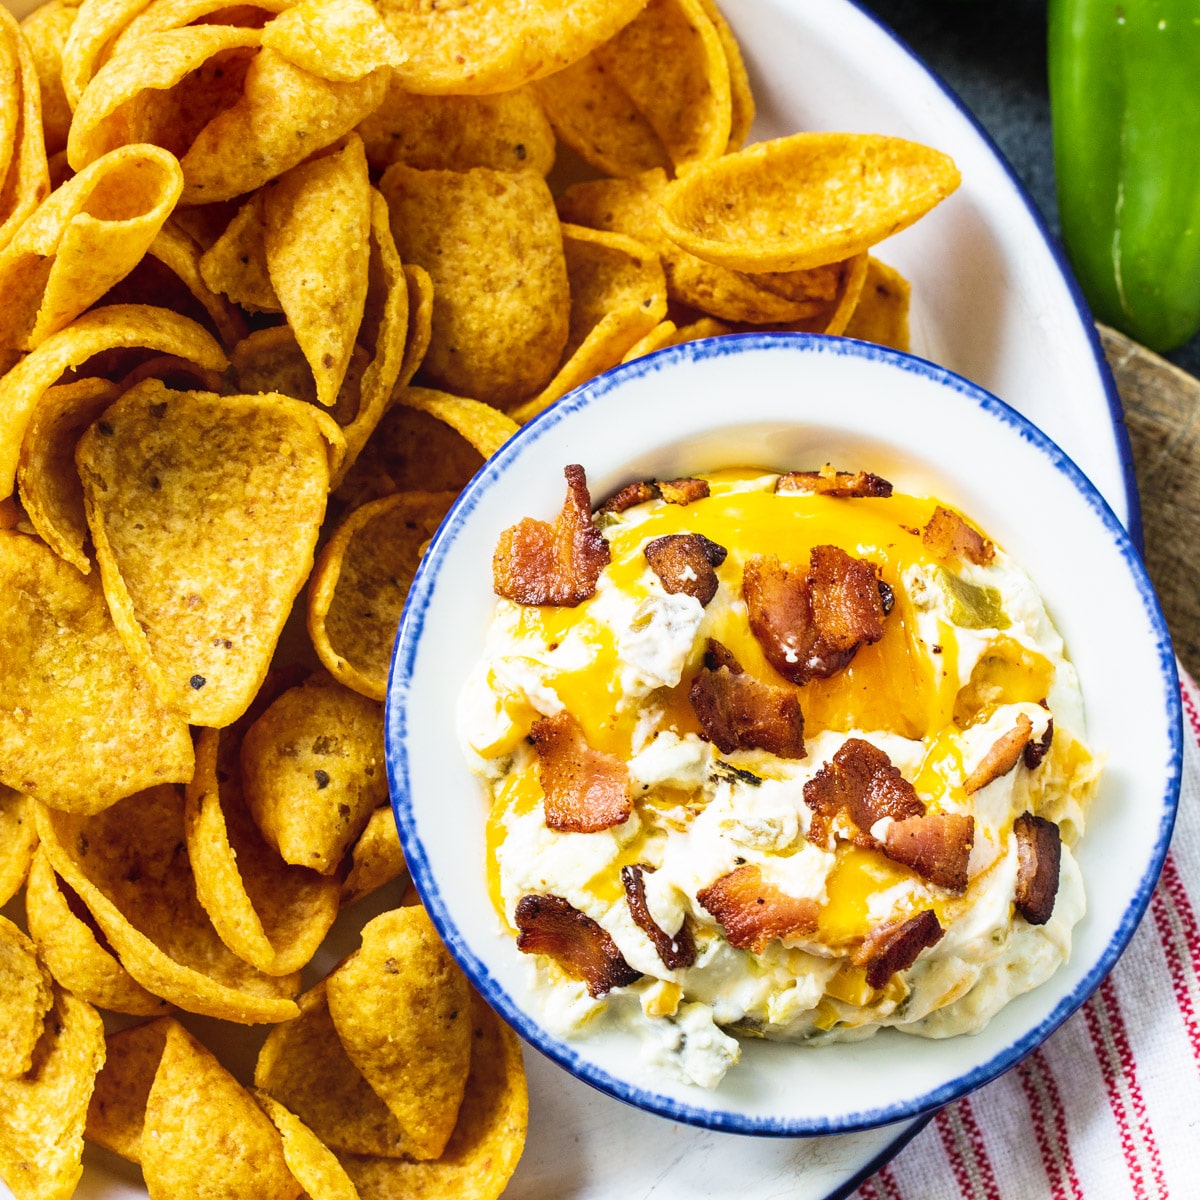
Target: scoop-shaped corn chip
(164, 89)
(412, 450)
(631, 206)
(46, 29)
(670, 62)
(832, 316)
(360, 583)
(804, 200)
(175, 248)
(24, 173)
(342, 40)
(82, 239)
(303, 1065)
(881, 314)
(271, 360)
(285, 114)
(46, 475)
(377, 857)
(618, 294)
(740, 95)
(663, 334)
(507, 132)
(491, 242)
(420, 321)
(113, 327)
(313, 1164)
(102, 21)
(596, 117)
(80, 726)
(270, 913)
(25, 997)
(401, 1007)
(233, 1153)
(117, 1110)
(129, 866)
(383, 334)
(67, 943)
(475, 49)
(18, 840)
(312, 771)
(316, 219)
(160, 15)
(42, 1114)
(487, 1142)
(204, 512)
(486, 428)
(236, 263)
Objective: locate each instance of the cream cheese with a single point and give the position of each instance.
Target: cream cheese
(980, 653)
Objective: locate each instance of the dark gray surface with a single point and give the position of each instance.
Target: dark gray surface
(992, 53)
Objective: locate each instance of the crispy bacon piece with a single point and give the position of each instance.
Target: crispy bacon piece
(1039, 852)
(586, 790)
(682, 491)
(677, 951)
(861, 782)
(737, 712)
(753, 912)
(684, 562)
(1036, 751)
(539, 563)
(828, 482)
(894, 946)
(948, 536)
(812, 626)
(629, 496)
(936, 846)
(553, 926)
(1002, 757)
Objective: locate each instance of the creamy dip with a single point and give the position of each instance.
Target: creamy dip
(966, 650)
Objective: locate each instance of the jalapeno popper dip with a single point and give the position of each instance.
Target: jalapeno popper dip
(790, 756)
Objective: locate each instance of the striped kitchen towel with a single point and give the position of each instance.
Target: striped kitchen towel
(1109, 1107)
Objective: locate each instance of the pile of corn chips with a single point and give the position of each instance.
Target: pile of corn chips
(275, 278)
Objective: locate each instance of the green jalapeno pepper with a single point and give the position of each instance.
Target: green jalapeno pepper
(1125, 104)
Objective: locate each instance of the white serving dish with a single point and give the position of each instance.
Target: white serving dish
(993, 300)
(792, 401)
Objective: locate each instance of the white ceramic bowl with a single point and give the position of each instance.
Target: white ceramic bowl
(780, 400)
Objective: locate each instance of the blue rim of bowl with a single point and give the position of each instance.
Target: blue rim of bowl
(1116, 411)
(403, 658)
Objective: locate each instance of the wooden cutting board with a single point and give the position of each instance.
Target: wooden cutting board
(1162, 413)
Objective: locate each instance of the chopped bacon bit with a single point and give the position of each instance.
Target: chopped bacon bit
(586, 790)
(937, 847)
(811, 627)
(753, 912)
(682, 491)
(894, 946)
(737, 712)
(539, 563)
(828, 482)
(676, 951)
(717, 656)
(1002, 757)
(1039, 852)
(553, 926)
(1036, 751)
(948, 536)
(684, 562)
(630, 495)
(860, 782)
